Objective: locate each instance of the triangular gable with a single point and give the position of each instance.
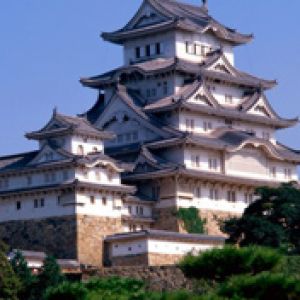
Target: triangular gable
(119, 111)
(222, 65)
(47, 155)
(203, 96)
(146, 15)
(263, 108)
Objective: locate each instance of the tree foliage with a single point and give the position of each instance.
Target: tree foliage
(191, 220)
(24, 274)
(9, 282)
(220, 264)
(273, 220)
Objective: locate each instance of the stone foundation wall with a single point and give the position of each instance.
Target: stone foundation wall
(165, 219)
(163, 259)
(212, 217)
(55, 236)
(90, 237)
(71, 237)
(134, 260)
(159, 278)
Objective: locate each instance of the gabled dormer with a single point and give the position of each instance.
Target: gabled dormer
(71, 134)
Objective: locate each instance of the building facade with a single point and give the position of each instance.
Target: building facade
(178, 125)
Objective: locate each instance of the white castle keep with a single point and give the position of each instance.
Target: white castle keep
(177, 126)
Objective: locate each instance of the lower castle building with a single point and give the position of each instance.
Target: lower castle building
(178, 125)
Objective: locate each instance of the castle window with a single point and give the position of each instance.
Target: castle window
(198, 50)
(104, 201)
(273, 172)
(29, 180)
(165, 88)
(213, 194)
(110, 175)
(42, 202)
(213, 164)
(80, 150)
(138, 52)
(203, 50)
(136, 210)
(189, 125)
(53, 177)
(141, 212)
(95, 149)
(207, 126)
(130, 209)
(58, 200)
(287, 173)
(148, 50)
(18, 205)
(158, 48)
(153, 92)
(195, 161)
(248, 198)
(35, 203)
(231, 196)
(92, 199)
(120, 138)
(197, 192)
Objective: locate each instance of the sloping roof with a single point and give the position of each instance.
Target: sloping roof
(231, 140)
(60, 124)
(178, 15)
(162, 65)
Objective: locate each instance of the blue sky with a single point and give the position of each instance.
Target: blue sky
(46, 46)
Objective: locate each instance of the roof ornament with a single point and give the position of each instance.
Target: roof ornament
(205, 5)
(55, 111)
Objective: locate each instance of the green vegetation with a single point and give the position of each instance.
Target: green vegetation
(272, 220)
(191, 220)
(9, 282)
(221, 264)
(263, 264)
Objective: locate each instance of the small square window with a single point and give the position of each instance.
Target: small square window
(42, 202)
(35, 203)
(18, 205)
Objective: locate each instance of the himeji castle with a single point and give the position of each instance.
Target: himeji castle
(178, 125)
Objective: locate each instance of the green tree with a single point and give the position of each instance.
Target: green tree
(49, 277)
(24, 274)
(273, 220)
(220, 264)
(9, 282)
(191, 220)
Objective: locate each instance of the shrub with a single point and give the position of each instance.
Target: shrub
(262, 286)
(69, 291)
(191, 220)
(220, 264)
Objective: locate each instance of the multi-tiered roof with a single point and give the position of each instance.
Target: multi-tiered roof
(214, 68)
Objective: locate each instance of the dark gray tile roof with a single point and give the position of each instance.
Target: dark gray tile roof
(68, 124)
(178, 15)
(166, 235)
(160, 65)
(16, 161)
(230, 139)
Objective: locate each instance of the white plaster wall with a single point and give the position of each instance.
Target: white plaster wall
(204, 156)
(145, 245)
(92, 178)
(167, 41)
(88, 145)
(9, 212)
(219, 91)
(135, 210)
(201, 39)
(37, 179)
(98, 208)
(199, 121)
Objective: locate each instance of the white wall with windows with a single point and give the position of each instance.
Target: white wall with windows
(36, 207)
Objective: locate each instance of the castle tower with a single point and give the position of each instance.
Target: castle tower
(199, 131)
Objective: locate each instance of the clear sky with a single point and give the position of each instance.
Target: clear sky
(46, 46)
